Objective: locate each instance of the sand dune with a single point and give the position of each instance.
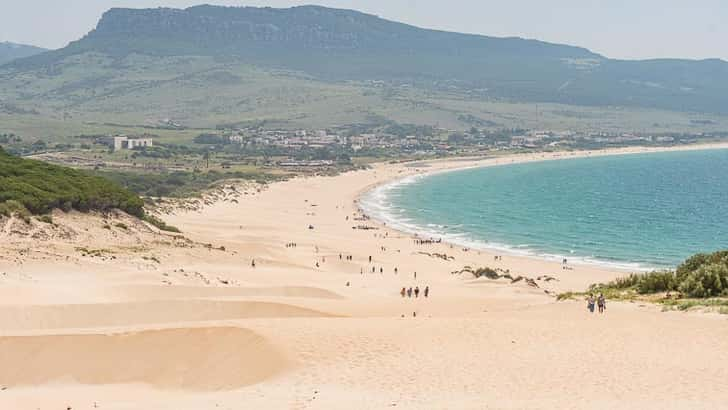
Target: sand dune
(192, 359)
(167, 292)
(15, 318)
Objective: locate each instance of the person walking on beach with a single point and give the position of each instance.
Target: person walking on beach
(409, 292)
(601, 303)
(590, 303)
(417, 292)
(403, 292)
(427, 291)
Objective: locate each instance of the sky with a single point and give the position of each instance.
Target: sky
(626, 29)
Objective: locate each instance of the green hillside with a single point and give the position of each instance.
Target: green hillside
(314, 67)
(334, 44)
(13, 51)
(40, 187)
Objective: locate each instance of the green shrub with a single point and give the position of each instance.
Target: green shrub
(707, 281)
(12, 207)
(654, 282)
(40, 187)
(566, 296)
(625, 282)
(179, 184)
(46, 219)
(695, 262)
(487, 272)
(700, 276)
(121, 225)
(160, 224)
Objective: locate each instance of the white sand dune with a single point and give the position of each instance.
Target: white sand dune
(191, 359)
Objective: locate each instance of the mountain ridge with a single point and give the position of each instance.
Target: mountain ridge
(345, 45)
(10, 51)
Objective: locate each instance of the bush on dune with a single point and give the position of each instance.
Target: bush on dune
(41, 187)
(654, 282)
(705, 282)
(29, 187)
(700, 276)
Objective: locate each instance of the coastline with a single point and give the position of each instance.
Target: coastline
(367, 204)
(271, 334)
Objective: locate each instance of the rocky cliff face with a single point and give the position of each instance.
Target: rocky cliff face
(309, 27)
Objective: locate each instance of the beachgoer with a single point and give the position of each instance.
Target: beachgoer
(415, 275)
(395, 271)
(427, 291)
(252, 263)
(403, 292)
(409, 292)
(601, 303)
(417, 292)
(590, 303)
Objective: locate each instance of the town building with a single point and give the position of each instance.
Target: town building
(131, 143)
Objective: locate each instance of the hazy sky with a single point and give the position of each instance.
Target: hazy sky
(615, 28)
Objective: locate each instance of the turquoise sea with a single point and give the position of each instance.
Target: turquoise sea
(638, 211)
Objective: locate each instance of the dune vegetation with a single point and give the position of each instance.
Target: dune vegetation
(37, 187)
(700, 276)
(699, 282)
(29, 187)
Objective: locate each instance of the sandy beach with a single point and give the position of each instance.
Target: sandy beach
(268, 299)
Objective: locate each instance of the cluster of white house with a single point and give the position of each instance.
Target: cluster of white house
(120, 143)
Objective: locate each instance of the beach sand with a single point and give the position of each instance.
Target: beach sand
(132, 318)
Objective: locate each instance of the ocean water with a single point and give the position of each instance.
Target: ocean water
(637, 212)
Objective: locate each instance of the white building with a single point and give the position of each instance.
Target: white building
(131, 143)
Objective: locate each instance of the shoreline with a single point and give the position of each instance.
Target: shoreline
(441, 166)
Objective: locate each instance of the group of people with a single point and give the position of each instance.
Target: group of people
(291, 245)
(408, 292)
(348, 257)
(600, 301)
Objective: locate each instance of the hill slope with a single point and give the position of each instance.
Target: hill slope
(12, 51)
(40, 187)
(225, 63)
